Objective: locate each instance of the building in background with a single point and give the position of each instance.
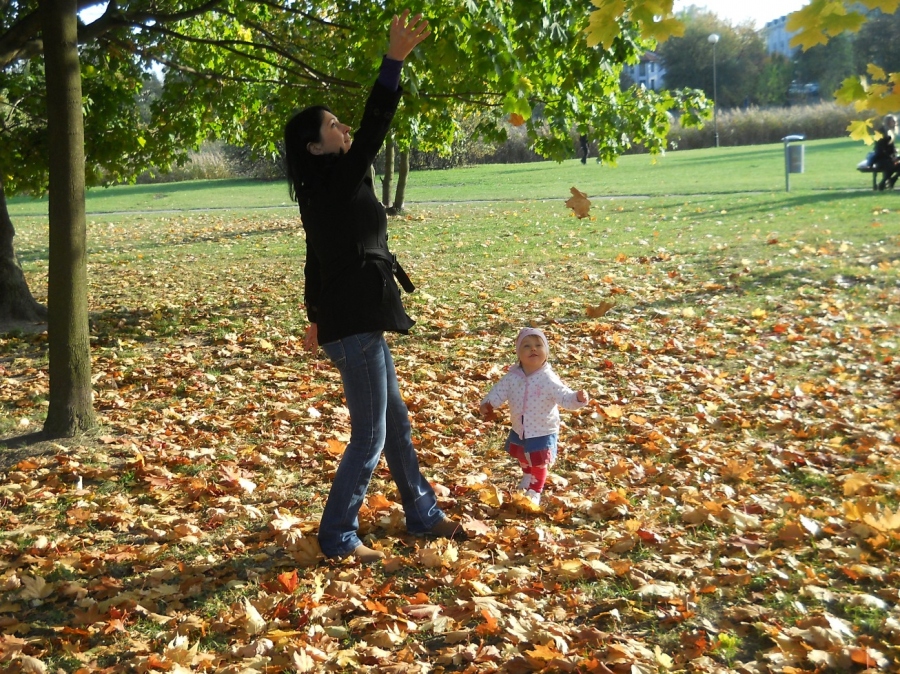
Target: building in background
(778, 38)
(650, 72)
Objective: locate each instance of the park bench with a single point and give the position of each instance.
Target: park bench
(865, 167)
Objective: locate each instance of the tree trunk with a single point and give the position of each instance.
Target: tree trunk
(16, 301)
(71, 409)
(402, 175)
(388, 173)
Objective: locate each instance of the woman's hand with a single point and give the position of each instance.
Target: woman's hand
(311, 341)
(405, 36)
(582, 397)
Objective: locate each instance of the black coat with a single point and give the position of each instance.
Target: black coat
(347, 290)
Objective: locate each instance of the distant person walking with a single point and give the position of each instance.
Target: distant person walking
(582, 139)
(352, 298)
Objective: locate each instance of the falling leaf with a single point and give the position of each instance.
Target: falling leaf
(516, 119)
(579, 203)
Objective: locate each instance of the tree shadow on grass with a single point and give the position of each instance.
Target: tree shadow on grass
(17, 448)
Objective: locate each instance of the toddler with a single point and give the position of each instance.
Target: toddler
(534, 391)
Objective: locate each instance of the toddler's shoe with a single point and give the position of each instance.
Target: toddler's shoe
(533, 496)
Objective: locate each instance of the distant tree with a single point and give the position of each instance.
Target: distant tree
(740, 58)
(774, 81)
(877, 42)
(827, 65)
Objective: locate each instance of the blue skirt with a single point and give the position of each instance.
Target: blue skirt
(533, 444)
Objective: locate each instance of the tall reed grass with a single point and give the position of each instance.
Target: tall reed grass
(209, 163)
(757, 126)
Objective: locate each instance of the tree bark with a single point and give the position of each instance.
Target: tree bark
(16, 301)
(71, 410)
(388, 173)
(402, 175)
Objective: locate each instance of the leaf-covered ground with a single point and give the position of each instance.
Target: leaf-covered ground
(729, 501)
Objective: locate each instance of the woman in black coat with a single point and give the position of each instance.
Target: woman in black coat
(352, 299)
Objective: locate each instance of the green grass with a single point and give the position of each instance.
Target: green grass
(829, 166)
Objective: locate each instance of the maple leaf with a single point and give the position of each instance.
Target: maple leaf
(254, 623)
(179, 651)
(307, 551)
(234, 476)
(490, 495)
(579, 203)
(522, 502)
(475, 526)
(303, 663)
(289, 581)
(36, 588)
(516, 119)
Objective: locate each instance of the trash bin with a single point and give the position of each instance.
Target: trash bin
(793, 158)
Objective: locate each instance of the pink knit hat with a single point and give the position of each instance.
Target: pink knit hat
(527, 332)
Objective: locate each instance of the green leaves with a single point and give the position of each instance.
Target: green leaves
(654, 19)
(821, 19)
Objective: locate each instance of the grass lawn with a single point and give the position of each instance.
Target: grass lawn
(729, 501)
(830, 166)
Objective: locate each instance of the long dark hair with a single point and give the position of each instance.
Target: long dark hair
(300, 164)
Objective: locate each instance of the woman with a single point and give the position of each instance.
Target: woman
(352, 299)
(885, 157)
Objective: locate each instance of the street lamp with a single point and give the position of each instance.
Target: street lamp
(713, 39)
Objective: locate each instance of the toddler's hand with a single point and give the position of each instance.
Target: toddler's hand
(487, 411)
(582, 396)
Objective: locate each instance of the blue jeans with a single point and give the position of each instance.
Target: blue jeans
(379, 420)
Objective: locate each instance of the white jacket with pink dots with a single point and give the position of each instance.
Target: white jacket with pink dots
(534, 400)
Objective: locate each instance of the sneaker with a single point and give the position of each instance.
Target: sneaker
(533, 496)
(447, 528)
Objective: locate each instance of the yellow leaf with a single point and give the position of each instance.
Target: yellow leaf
(613, 412)
(543, 654)
(603, 27)
(524, 503)
(490, 495)
(876, 72)
(662, 659)
(859, 130)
